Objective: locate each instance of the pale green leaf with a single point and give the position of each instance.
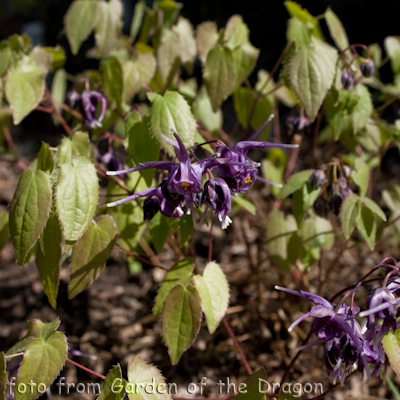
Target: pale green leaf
(172, 111)
(374, 207)
(79, 21)
(29, 211)
(391, 345)
(299, 32)
(317, 232)
(253, 387)
(4, 231)
(244, 58)
(362, 109)
(236, 33)
(5, 60)
(243, 203)
(295, 182)
(202, 110)
(145, 382)
(349, 213)
(312, 70)
(366, 225)
(43, 360)
(336, 30)
(392, 46)
(42, 58)
(181, 318)
(48, 258)
(137, 18)
(159, 230)
(167, 52)
(90, 254)
(137, 74)
(108, 26)
(220, 75)
(361, 175)
(112, 80)
(77, 195)
(180, 273)
(206, 38)
(187, 42)
(58, 54)
(24, 88)
(45, 160)
(59, 89)
(185, 228)
(243, 101)
(214, 293)
(113, 386)
(77, 143)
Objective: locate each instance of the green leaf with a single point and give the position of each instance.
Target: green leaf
(172, 111)
(137, 19)
(299, 32)
(374, 207)
(391, 345)
(362, 109)
(58, 56)
(80, 20)
(59, 89)
(243, 203)
(4, 231)
(45, 160)
(393, 388)
(245, 59)
(3, 376)
(112, 80)
(273, 168)
(236, 33)
(145, 382)
(29, 211)
(295, 10)
(170, 11)
(317, 232)
(336, 30)
(167, 52)
(187, 43)
(295, 182)
(185, 228)
(392, 47)
(214, 293)
(24, 88)
(242, 102)
(112, 384)
(349, 213)
(90, 254)
(77, 195)
(5, 60)
(181, 318)
(361, 175)
(137, 74)
(43, 360)
(77, 143)
(366, 225)
(108, 26)
(36, 329)
(48, 258)
(180, 273)
(253, 388)
(202, 110)
(206, 38)
(140, 143)
(312, 70)
(159, 229)
(219, 75)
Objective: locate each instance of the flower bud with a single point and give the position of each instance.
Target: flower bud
(151, 207)
(347, 171)
(347, 80)
(335, 203)
(342, 184)
(346, 192)
(367, 67)
(318, 178)
(321, 207)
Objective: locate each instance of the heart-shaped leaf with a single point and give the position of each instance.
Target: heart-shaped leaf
(214, 293)
(367, 226)
(253, 388)
(206, 39)
(45, 160)
(349, 213)
(114, 386)
(77, 195)
(77, 143)
(90, 254)
(29, 211)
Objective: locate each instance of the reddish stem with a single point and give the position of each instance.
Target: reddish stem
(293, 158)
(237, 345)
(85, 369)
(210, 241)
(11, 145)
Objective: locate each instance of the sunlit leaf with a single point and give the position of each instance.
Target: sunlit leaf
(392, 46)
(112, 80)
(77, 143)
(236, 32)
(336, 30)
(137, 18)
(317, 232)
(202, 110)
(295, 182)
(206, 38)
(349, 213)
(361, 175)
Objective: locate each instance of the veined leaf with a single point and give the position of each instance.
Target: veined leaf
(79, 21)
(236, 33)
(24, 88)
(172, 111)
(374, 207)
(317, 232)
(90, 254)
(366, 225)
(167, 52)
(244, 58)
(362, 109)
(59, 89)
(336, 30)
(349, 213)
(114, 386)
(202, 110)
(254, 387)
(187, 43)
(29, 211)
(180, 273)
(206, 39)
(77, 195)
(391, 344)
(214, 293)
(181, 318)
(361, 175)
(112, 80)
(77, 143)
(295, 182)
(45, 160)
(137, 18)
(4, 231)
(299, 31)
(392, 46)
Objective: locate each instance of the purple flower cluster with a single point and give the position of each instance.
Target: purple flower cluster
(87, 102)
(229, 172)
(348, 347)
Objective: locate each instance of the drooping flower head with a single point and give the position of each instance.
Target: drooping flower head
(218, 197)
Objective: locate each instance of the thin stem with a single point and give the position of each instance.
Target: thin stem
(86, 369)
(75, 113)
(315, 136)
(237, 346)
(15, 355)
(9, 140)
(210, 241)
(293, 157)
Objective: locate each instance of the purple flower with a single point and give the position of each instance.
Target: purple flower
(318, 178)
(367, 67)
(87, 103)
(111, 162)
(347, 80)
(297, 124)
(218, 197)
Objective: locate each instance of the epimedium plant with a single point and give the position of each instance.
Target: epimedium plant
(139, 100)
